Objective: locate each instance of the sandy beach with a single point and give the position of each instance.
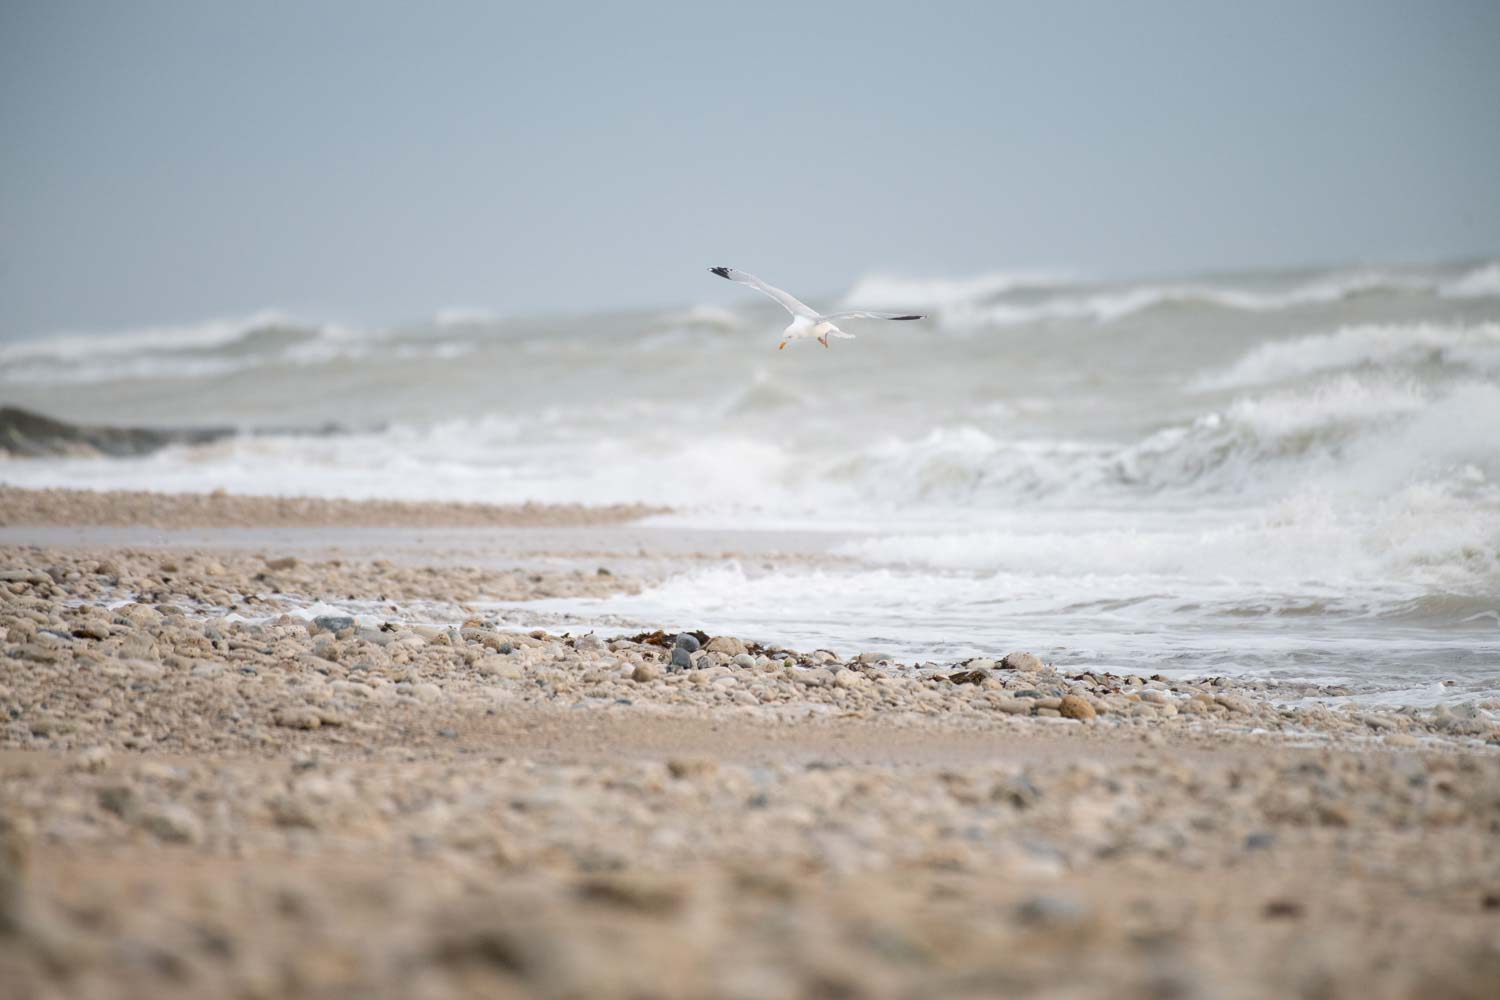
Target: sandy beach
(211, 789)
(781, 502)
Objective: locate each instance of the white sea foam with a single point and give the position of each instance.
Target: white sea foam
(465, 316)
(1476, 347)
(1290, 491)
(891, 292)
(195, 351)
(1482, 282)
(71, 347)
(1114, 304)
(991, 300)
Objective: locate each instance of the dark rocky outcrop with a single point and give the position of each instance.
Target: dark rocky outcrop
(31, 435)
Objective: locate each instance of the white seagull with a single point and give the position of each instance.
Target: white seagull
(805, 322)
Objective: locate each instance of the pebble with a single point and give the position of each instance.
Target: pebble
(1050, 911)
(171, 823)
(1074, 707)
(1024, 662)
(645, 673)
(686, 641)
(682, 657)
(727, 645)
(298, 718)
(331, 623)
(91, 630)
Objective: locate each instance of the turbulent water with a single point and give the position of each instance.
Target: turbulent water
(1290, 474)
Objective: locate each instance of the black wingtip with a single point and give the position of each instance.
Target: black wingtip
(722, 272)
(909, 317)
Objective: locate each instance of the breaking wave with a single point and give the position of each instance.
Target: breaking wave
(1473, 347)
(1018, 299)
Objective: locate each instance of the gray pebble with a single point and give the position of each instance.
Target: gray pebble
(687, 642)
(682, 659)
(333, 623)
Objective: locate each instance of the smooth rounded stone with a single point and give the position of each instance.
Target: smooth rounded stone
(687, 642)
(427, 692)
(93, 760)
(849, 679)
(1051, 911)
(1234, 704)
(692, 767)
(330, 623)
(1022, 661)
(645, 673)
(682, 658)
(703, 677)
(1074, 707)
(728, 645)
(171, 823)
(91, 629)
(298, 718)
(816, 677)
(1014, 706)
(1156, 697)
(588, 642)
(499, 666)
(744, 661)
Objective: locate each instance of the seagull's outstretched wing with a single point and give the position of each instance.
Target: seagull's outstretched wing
(788, 303)
(872, 315)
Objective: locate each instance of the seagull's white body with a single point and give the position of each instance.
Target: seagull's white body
(807, 324)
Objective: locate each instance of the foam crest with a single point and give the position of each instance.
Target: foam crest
(1482, 282)
(1115, 304)
(878, 291)
(1475, 347)
(70, 347)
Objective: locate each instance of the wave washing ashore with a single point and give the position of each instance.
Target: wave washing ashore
(1286, 476)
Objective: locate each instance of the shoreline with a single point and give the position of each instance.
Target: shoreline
(20, 506)
(210, 788)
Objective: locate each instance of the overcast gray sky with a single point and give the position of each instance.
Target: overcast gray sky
(172, 161)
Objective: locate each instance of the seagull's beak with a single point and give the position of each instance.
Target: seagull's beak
(783, 346)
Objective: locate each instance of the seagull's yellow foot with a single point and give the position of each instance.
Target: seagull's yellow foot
(782, 347)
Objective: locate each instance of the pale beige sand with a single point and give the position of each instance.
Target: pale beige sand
(196, 510)
(196, 807)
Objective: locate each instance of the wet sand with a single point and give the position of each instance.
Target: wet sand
(202, 792)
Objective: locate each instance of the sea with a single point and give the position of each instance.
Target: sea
(1291, 475)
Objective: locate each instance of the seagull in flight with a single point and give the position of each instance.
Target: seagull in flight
(805, 322)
